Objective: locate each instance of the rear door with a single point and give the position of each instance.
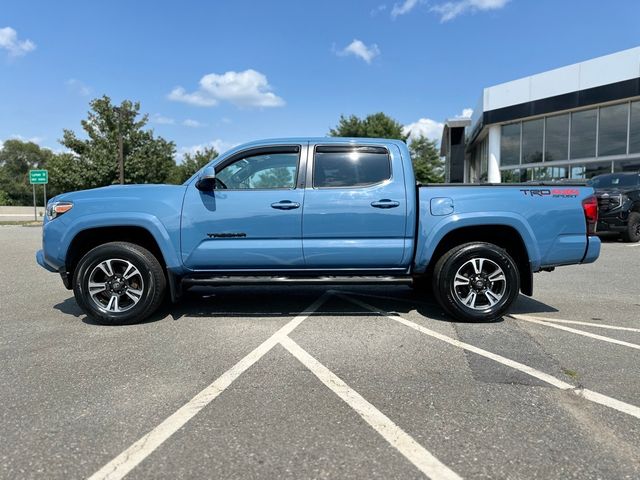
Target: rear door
(252, 220)
(355, 208)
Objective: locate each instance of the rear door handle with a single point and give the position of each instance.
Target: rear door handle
(285, 205)
(385, 203)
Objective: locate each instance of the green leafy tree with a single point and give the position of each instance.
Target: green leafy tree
(275, 178)
(191, 163)
(16, 159)
(147, 159)
(377, 125)
(67, 173)
(427, 164)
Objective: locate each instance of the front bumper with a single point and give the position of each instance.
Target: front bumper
(43, 262)
(613, 222)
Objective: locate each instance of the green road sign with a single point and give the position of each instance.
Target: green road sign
(38, 177)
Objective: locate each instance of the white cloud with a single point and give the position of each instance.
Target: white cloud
(424, 127)
(78, 87)
(404, 7)
(36, 140)
(16, 48)
(162, 120)
(243, 89)
(431, 129)
(220, 145)
(450, 10)
(192, 123)
(359, 49)
(379, 9)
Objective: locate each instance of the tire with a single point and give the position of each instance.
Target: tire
(633, 228)
(492, 298)
(119, 283)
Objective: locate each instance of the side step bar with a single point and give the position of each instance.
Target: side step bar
(298, 280)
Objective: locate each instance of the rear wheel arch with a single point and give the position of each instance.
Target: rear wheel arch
(503, 236)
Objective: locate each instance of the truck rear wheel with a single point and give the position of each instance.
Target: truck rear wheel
(633, 228)
(476, 282)
(119, 283)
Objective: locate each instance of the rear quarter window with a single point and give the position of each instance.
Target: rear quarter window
(347, 166)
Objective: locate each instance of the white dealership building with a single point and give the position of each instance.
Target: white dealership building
(572, 122)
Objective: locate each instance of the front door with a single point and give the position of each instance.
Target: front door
(252, 219)
(355, 211)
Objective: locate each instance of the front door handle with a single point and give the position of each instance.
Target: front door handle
(285, 205)
(385, 203)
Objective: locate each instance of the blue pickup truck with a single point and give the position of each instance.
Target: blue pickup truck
(314, 211)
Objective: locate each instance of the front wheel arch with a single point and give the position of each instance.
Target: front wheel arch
(149, 283)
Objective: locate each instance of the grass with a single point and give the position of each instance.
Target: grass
(24, 223)
(570, 373)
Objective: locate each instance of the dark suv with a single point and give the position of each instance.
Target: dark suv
(619, 204)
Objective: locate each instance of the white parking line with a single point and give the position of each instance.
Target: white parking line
(398, 438)
(519, 316)
(634, 245)
(138, 451)
(545, 377)
(583, 333)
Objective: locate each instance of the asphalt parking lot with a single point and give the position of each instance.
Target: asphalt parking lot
(308, 383)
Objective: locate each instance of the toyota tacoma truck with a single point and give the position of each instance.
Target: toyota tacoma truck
(330, 211)
(619, 204)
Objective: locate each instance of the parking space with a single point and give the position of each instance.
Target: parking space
(306, 383)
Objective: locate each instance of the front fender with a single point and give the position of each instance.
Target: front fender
(431, 234)
(151, 223)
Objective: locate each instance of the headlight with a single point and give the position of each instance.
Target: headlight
(56, 209)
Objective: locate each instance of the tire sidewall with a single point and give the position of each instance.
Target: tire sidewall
(100, 254)
(445, 282)
(634, 219)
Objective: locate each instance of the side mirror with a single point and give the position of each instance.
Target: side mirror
(207, 180)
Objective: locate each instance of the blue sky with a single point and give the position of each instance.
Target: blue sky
(224, 72)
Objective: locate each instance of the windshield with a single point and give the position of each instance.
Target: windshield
(614, 181)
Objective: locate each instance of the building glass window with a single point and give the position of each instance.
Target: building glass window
(627, 166)
(634, 133)
(510, 144)
(612, 136)
(556, 138)
(484, 161)
(532, 138)
(514, 176)
(583, 134)
(593, 169)
(549, 173)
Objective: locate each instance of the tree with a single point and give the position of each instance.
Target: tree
(275, 178)
(16, 159)
(146, 159)
(67, 173)
(191, 163)
(427, 164)
(377, 125)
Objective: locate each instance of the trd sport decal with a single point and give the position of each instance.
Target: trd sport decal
(550, 192)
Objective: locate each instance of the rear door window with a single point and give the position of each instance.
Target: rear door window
(350, 166)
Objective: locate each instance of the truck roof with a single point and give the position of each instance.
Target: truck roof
(331, 140)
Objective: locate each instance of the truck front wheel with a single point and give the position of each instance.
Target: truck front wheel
(633, 228)
(119, 283)
(476, 282)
